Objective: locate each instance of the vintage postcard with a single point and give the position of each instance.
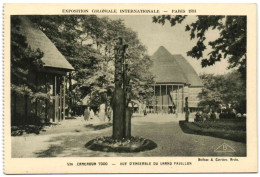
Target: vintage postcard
(130, 88)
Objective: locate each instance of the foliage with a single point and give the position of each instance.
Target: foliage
(88, 44)
(223, 89)
(231, 43)
(24, 63)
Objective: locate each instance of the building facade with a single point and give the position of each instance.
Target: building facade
(50, 79)
(175, 79)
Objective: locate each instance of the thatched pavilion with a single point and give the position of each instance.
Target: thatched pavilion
(50, 79)
(175, 79)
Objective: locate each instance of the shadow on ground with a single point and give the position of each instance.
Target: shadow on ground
(69, 118)
(98, 127)
(74, 144)
(36, 129)
(52, 151)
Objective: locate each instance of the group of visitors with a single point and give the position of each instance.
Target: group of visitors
(202, 116)
(222, 115)
(88, 114)
(231, 114)
(102, 115)
(148, 110)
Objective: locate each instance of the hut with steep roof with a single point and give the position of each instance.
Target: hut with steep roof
(175, 79)
(51, 79)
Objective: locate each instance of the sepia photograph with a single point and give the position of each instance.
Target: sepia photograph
(128, 86)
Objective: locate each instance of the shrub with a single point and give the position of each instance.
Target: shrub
(198, 117)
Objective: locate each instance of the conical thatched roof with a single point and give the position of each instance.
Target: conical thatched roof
(168, 68)
(37, 39)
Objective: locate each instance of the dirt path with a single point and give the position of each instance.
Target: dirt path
(68, 140)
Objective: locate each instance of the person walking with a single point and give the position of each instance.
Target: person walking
(86, 114)
(109, 113)
(92, 114)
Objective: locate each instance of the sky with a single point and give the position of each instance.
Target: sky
(174, 39)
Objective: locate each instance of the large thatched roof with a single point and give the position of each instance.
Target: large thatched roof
(168, 68)
(37, 39)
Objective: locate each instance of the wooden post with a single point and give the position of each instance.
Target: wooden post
(178, 99)
(186, 110)
(161, 96)
(64, 94)
(156, 102)
(168, 97)
(125, 121)
(57, 99)
(70, 95)
(25, 110)
(154, 97)
(46, 101)
(60, 99)
(154, 90)
(36, 100)
(182, 99)
(176, 103)
(119, 96)
(118, 113)
(54, 100)
(162, 104)
(14, 116)
(172, 98)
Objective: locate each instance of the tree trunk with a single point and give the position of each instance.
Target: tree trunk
(128, 123)
(186, 110)
(121, 116)
(118, 114)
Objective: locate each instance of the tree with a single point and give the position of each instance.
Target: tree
(230, 45)
(24, 60)
(25, 63)
(88, 44)
(223, 89)
(211, 92)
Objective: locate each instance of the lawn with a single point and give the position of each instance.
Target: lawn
(228, 129)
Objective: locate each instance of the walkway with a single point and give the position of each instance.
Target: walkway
(68, 140)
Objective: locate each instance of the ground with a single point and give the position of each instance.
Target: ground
(69, 138)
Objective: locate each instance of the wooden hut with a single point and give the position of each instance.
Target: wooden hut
(175, 79)
(50, 79)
